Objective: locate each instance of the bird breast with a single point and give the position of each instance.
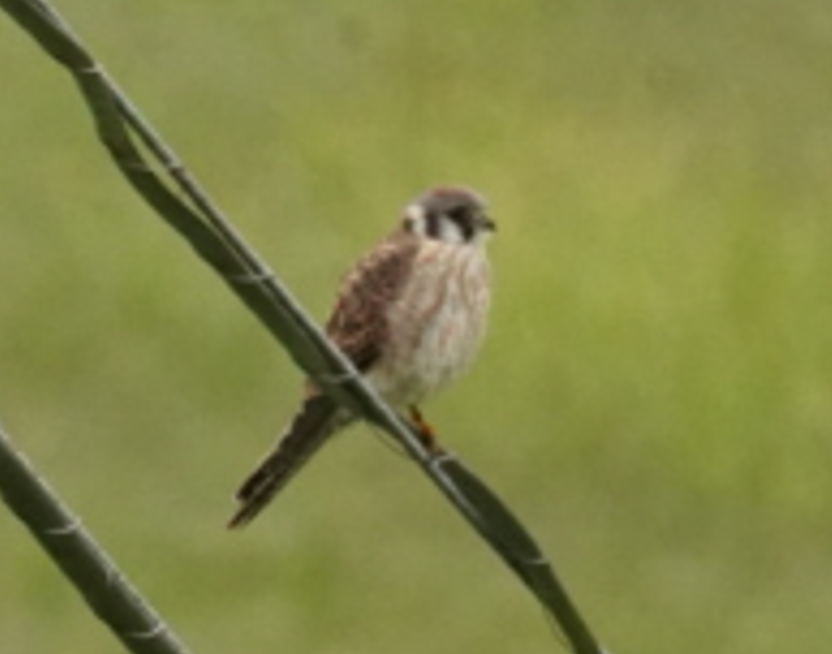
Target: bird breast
(436, 324)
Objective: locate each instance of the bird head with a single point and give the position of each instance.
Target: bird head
(451, 214)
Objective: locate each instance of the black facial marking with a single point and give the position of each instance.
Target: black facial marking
(463, 218)
(432, 226)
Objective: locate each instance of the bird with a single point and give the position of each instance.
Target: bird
(410, 315)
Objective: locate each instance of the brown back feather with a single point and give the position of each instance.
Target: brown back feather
(357, 324)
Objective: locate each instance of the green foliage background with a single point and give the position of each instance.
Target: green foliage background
(655, 399)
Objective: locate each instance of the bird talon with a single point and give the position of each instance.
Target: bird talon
(425, 432)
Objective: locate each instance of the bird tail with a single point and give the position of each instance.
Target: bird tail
(319, 418)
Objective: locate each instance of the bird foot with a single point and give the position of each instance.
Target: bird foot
(424, 431)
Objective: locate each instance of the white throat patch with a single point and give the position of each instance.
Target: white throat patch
(418, 223)
(450, 232)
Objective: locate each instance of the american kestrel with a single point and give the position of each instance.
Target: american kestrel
(410, 315)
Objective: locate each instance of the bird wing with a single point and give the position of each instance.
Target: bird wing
(358, 323)
(359, 327)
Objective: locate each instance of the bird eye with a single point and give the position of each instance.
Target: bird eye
(458, 214)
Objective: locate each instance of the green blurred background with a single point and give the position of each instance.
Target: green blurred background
(655, 398)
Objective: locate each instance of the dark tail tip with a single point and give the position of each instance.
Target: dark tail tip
(246, 513)
(238, 521)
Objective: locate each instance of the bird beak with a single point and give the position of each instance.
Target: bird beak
(489, 224)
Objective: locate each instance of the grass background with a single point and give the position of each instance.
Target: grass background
(655, 399)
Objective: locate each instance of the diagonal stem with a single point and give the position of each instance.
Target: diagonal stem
(83, 561)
